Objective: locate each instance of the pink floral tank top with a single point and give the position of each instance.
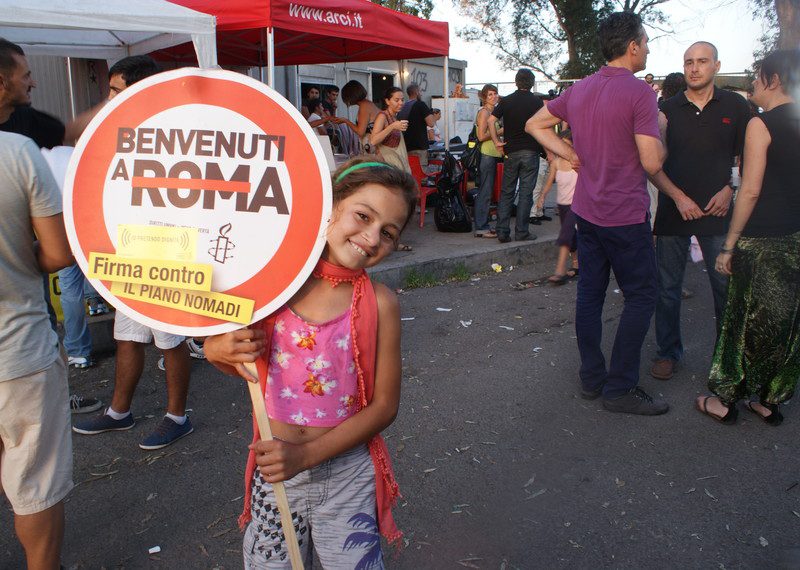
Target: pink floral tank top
(312, 377)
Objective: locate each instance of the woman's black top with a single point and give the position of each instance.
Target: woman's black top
(777, 211)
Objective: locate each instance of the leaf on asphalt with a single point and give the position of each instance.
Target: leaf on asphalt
(692, 490)
(113, 461)
(530, 481)
(154, 550)
(707, 477)
(104, 474)
(220, 533)
(407, 318)
(763, 541)
(465, 324)
(203, 550)
(506, 327)
(468, 564)
(537, 349)
(619, 482)
(488, 443)
(660, 474)
(536, 494)
(475, 460)
(575, 544)
(430, 470)
(401, 447)
(710, 495)
(405, 437)
(469, 422)
(796, 514)
(443, 309)
(239, 498)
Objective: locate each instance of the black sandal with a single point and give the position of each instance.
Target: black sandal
(775, 418)
(728, 419)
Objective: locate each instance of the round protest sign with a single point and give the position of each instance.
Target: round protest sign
(196, 201)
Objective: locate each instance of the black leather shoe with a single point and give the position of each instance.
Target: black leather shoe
(504, 239)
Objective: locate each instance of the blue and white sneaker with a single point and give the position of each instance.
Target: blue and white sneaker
(97, 306)
(166, 432)
(195, 349)
(80, 361)
(103, 423)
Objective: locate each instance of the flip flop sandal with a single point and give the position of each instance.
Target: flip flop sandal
(572, 272)
(729, 418)
(558, 279)
(774, 419)
(486, 234)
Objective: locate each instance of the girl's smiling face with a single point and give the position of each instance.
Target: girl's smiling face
(365, 226)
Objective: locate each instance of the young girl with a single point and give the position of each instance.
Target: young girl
(566, 178)
(329, 365)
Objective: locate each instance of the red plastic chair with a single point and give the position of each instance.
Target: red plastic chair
(425, 188)
(498, 183)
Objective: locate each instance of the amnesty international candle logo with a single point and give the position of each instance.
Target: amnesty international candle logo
(196, 201)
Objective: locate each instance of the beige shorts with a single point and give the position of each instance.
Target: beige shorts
(126, 328)
(36, 439)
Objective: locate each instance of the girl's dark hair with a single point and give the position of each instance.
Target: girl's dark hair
(312, 104)
(785, 63)
(617, 31)
(353, 92)
(388, 95)
(485, 91)
(393, 178)
(673, 84)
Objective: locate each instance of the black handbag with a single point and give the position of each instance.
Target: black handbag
(451, 214)
(471, 157)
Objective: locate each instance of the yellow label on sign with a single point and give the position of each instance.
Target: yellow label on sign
(216, 305)
(155, 272)
(157, 242)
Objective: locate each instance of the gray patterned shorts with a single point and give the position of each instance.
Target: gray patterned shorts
(333, 509)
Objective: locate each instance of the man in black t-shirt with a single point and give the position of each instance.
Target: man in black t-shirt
(419, 117)
(703, 130)
(522, 156)
(45, 130)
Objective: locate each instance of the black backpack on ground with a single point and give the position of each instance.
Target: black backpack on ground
(451, 214)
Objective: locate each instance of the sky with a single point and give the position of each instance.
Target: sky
(731, 28)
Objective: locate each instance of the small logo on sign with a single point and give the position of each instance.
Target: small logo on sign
(221, 246)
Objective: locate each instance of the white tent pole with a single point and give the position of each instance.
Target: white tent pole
(72, 108)
(271, 57)
(446, 97)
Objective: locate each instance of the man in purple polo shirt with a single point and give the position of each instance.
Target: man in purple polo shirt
(614, 122)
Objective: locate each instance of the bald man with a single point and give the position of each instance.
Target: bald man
(703, 132)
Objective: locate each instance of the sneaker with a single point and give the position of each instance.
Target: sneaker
(636, 402)
(166, 432)
(591, 394)
(161, 364)
(81, 405)
(80, 361)
(103, 423)
(195, 349)
(663, 368)
(97, 306)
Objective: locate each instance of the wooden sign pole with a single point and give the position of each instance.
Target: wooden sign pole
(260, 411)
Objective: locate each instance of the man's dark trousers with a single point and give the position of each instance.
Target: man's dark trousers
(672, 253)
(629, 252)
(522, 165)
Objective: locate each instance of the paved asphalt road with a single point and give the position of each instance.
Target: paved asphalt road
(500, 463)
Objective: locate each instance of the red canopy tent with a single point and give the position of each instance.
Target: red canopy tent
(314, 31)
(266, 33)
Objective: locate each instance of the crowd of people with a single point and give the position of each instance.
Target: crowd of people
(329, 361)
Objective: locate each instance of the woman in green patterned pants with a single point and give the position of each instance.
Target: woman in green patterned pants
(758, 352)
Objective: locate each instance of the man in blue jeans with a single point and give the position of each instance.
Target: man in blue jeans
(521, 166)
(614, 122)
(703, 129)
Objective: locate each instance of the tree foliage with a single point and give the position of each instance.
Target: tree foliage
(781, 24)
(539, 33)
(420, 8)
